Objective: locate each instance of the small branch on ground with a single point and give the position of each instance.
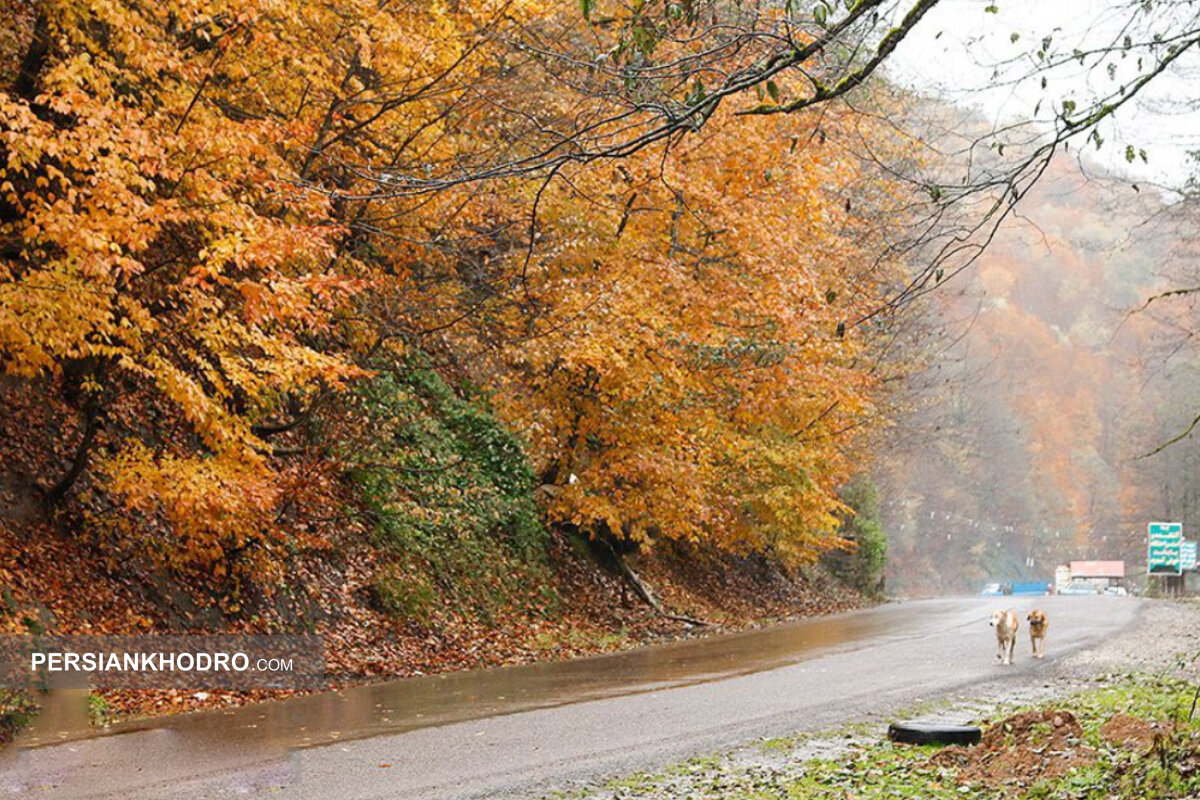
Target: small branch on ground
(645, 592)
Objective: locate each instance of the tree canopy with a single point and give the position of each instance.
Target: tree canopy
(666, 238)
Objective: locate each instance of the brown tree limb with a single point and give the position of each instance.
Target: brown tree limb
(644, 591)
(79, 461)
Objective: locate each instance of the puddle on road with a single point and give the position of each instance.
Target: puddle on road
(412, 703)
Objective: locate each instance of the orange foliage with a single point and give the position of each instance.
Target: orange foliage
(169, 225)
(198, 211)
(696, 376)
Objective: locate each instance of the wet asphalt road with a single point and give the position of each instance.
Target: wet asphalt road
(529, 730)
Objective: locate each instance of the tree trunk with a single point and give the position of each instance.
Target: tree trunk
(56, 494)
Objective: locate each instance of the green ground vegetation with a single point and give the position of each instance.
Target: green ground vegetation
(450, 494)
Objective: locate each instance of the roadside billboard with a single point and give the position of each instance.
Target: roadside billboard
(1165, 548)
(1187, 555)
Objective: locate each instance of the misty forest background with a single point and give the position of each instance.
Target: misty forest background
(472, 333)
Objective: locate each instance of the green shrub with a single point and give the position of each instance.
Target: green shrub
(98, 710)
(17, 709)
(862, 567)
(450, 493)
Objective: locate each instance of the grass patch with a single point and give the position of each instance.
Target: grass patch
(405, 594)
(579, 640)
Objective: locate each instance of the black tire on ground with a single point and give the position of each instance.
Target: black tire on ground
(933, 733)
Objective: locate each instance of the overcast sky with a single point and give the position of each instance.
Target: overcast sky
(962, 53)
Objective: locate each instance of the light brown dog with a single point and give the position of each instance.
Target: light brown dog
(1006, 624)
(1038, 623)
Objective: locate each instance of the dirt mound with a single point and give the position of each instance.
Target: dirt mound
(1021, 750)
(1034, 728)
(1131, 733)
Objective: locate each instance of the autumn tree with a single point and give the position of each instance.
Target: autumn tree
(676, 347)
(175, 247)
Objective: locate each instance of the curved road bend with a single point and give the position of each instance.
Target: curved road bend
(530, 729)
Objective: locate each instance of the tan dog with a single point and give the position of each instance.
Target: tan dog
(1006, 624)
(1038, 623)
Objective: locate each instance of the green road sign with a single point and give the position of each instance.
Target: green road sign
(1166, 548)
(1187, 555)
